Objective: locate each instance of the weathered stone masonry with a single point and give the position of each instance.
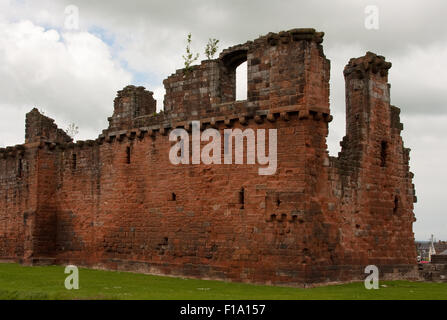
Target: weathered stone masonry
(118, 203)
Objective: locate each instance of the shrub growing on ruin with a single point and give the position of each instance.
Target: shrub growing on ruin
(189, 57)
(211, 48)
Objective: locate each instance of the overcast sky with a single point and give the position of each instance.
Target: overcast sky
(73, 75)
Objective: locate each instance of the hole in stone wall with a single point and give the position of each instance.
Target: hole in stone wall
(173, 197)
(163, 246)
(241, 82)
(383, 153)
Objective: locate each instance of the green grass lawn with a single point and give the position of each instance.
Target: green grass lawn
(19, 282)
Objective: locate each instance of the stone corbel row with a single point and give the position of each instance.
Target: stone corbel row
(13, 152)
(260, 116)
(50, 145)
(134, 133)
(283, 114)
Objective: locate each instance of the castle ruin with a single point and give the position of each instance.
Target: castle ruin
(117, 202)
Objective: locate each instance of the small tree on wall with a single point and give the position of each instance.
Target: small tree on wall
(189, 57)
(211, 48)
(72, 130)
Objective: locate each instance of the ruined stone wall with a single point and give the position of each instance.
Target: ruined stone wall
(38, 127)
(372, 171)
(118, 202)
(284, 70)
(131, 103)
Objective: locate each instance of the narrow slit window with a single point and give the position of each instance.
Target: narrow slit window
(20, 168)
(242, 198)
(383, 153)
(174, 197)
(396, 205)
(128, 154)
(74, 161)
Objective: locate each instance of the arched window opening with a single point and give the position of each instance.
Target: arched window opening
(233, 76)
(241, 82)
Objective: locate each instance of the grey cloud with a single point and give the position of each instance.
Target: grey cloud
(401, 23)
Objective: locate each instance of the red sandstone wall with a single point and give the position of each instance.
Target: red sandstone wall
(18, 185)
(372, 172)
(13, 194)
(125, 212)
